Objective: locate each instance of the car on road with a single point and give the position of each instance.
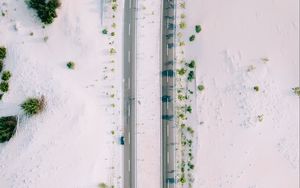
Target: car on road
(122, 140)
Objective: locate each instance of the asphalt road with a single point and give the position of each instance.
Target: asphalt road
(168, 82)
(129, 79)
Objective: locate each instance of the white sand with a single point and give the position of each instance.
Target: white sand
(235, 149)
(148, 94)
(67, 145)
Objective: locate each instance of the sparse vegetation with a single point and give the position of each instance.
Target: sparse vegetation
(297, 91)
(102, 185)
(33, 106)
(6, 75)
(8, 127)
(71, 65)
(260, 117)
(4, 86)
(46, 10)
(2, 53)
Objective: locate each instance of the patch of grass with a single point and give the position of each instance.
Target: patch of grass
(182, 25)
(46, 10)
(182, 180)
(297, 91)
(256, 88)
(71, 65)
(6, 75)
(201, 87)
(192, 38)
(2, 53)
(8, 127)
(198, 28)
(33, 106)
(181, 71)
(4, 86)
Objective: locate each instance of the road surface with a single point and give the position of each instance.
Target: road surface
(168, 94)
(129, 78)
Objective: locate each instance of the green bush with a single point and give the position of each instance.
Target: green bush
(104, 31)
(4, 86)
(192, 64)
(8, 127)
(33, 106)
(191, 76)
(6, 75)
(192, 38)
(198, 28)
(2, 53)
(1, 65)
(71, 65)
(46, 10)
(297, 91)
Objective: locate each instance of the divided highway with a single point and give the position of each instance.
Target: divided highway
(129, 79)
(168, 83)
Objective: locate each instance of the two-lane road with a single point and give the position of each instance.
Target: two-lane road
(168, 84)
(129, 87)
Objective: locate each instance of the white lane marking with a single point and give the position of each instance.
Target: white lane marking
(129, 138)
(129, 32)
(129, 56)
(168, 157)
(167, 105)
(129, 83)
(129, 4)
(167, 131)
(128, 165)
(128, 110)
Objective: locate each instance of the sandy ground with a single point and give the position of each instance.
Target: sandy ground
(71, 145)
(148, 94)
(66, 146)
(235, 149)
